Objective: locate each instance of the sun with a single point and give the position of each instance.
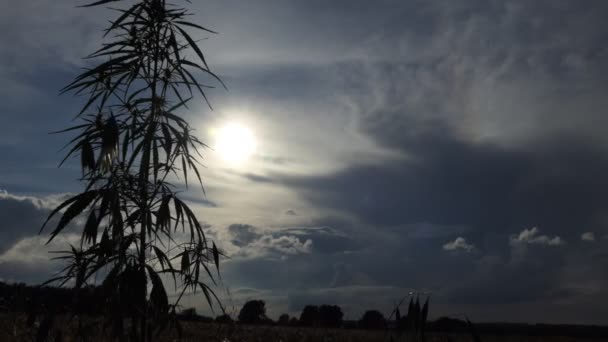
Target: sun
(235, 143)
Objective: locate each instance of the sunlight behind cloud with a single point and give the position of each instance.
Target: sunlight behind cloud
(235, 143)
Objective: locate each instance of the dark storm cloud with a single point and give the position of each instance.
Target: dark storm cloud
(267, 270)
(23, 253)
(447, 181)
(243, 234)
(534, 274)
(285, 258)
(485, 192)
(497, 109)
(20, 217)
(290, 240)
(30, 155)
(326, 240)
(461, 166)
(16, 272)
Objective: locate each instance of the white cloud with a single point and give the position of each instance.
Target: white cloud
(48, 202)
(242, 241)
(459, 244)
(531, 236)
(33, 250)
(286, 244)
(588, 236)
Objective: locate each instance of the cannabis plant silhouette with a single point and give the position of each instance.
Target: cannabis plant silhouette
(130, 140)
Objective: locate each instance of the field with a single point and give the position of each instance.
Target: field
(16, 329)
(205, 332)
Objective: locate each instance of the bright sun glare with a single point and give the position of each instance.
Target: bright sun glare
(235, 143)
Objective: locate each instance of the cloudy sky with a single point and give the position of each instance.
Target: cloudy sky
(452, 147)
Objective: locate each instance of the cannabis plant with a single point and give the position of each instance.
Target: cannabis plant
(411, 327)
(132, 142)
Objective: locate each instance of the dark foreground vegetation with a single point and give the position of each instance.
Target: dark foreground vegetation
(44, 313)
(234, 332)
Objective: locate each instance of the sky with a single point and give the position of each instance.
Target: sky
(456, 148)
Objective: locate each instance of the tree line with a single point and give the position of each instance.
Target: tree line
(39, 300)
(253, 312)
(89, 300)
(331, 316)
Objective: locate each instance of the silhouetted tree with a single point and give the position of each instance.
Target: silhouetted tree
(191, 315)
(225, 318)
(372, 319)
(283, 320)
(189, 312)
(330, 316)
(309, 316)
(130, 139)
(325, 315)
(253, 312)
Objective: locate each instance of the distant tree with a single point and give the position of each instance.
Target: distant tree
(372, 319)
(283, 319)
(191, 315)
(225, 318)
(325, 315)
(293, 321)
(205, 319)
(350, 324)
(253, 312)
(189, 312)
(309, 316)
(330, 316)
(448, 324)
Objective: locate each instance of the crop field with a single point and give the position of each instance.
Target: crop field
(18, 329)
(205, 332)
